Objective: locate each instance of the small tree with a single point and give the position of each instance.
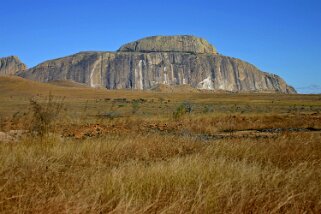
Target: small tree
(44, 115)
(135, 106)
(208, 108)
(182, 109)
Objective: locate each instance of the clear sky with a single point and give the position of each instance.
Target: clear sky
(278, 36)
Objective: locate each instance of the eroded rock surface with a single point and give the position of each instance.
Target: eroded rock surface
(148, 62)
(186, 43)
(11, 65)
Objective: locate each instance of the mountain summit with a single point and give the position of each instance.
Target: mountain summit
(169, 60)
(188, 44)
(11, 65)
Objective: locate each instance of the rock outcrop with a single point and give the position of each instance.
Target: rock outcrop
(11, 65)
(169, 60)
(187, 44)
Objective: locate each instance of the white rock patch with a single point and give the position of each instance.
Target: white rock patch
(93, 75)
(165, 79)
(139, 75)
(206, 84)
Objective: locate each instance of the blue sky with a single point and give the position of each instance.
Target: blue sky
(278, 36)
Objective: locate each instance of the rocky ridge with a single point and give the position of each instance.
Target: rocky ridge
(186, 43)
(11, 65)
(168, 60)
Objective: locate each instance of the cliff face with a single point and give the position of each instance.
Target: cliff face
(148, 62)
(11, 65)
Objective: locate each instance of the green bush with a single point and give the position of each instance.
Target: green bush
(110, 115)
(182, 109)
(208, 108)
(135, 106)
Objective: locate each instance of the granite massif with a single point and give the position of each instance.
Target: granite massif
(169, 60)
(11, 65)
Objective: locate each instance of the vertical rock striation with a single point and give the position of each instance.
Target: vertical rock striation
(11, 65)
(170, 60)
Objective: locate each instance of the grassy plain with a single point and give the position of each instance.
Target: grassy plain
(157, 152)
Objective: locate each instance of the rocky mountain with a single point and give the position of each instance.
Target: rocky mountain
(11, 65)
(169, 60)
(187, 44)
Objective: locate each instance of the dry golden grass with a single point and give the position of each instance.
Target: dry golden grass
(101, 154)
(155, 173)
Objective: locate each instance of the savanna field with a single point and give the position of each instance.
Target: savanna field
(66, 148)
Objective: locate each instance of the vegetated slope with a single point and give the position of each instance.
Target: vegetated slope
(21, 87)
(169, 60)
(68, 83)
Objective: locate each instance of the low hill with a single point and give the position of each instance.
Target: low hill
(67, 83)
